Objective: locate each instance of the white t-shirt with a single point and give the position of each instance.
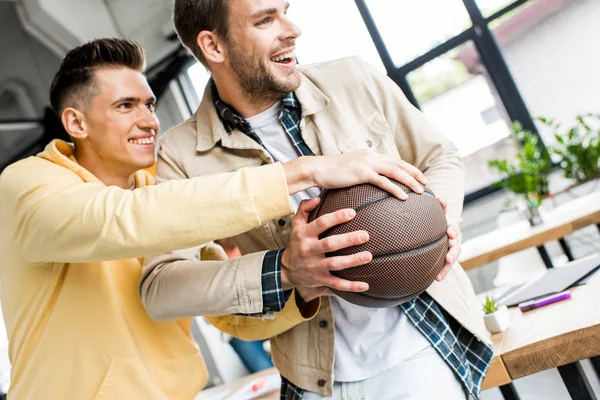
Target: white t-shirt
(368, 341)
(268, 128)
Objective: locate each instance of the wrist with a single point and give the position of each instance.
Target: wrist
(286, 283)
(299, 175)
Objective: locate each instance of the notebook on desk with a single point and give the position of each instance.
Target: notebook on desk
(553, 281)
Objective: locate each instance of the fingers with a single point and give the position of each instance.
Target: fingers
(401, 176)
(344, 285)
(307, 206)
(354, 260)
(412, 171)
(337, 242)
(444, 205)
(327, 221)
(453, 231)
(387, 185)
(453, 253)
(451, 258)
(415, 172)
(304, 209)
(444, 272)
(401, 171)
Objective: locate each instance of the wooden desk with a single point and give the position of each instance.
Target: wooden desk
(559, 222)
(497, 374)
(555, 336)
(225, 390)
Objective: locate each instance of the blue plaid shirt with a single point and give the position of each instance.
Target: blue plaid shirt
(465, 354)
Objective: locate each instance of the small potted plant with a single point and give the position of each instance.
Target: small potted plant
(578, 147)
(527, 176)
(496, 318)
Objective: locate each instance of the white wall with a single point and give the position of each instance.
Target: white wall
(556, 64)
(24, 59)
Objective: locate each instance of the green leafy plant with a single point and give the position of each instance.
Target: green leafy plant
(490, 306)
(578, 147)
(528, 175)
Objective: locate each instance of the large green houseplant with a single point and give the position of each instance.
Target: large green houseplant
(527, 176)
(578, 147)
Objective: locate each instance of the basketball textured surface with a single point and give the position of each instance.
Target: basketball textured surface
(407, 238)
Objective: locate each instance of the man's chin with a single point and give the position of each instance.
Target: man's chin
(291, 82)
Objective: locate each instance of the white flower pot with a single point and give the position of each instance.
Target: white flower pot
(498, 321)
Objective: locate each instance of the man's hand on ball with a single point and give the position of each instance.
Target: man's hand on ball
(453, 246)
(304, 263)
(353, 168)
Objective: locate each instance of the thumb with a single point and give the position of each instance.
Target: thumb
(305, 208)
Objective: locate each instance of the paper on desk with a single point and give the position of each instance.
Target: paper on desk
(257, 388)
(217, 396)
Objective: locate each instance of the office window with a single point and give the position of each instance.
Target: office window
(198, 77)
(551, 48)
(489, 7)
(457, 96)
(331, 29)
(411, 28)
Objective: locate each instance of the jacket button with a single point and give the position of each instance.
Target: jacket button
(281, 222)
(369, 143)
(321, 382)
(323, 324)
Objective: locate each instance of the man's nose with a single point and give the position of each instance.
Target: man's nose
(149, 121)
(291, 31)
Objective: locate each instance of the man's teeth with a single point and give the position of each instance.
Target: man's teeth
(284, 56)
(148, 140)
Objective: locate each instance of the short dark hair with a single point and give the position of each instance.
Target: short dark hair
(74, 83)
(191, 17)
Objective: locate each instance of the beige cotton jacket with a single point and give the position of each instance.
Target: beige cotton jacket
(346, 106)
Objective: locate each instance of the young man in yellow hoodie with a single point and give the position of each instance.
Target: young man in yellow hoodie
(73, 232)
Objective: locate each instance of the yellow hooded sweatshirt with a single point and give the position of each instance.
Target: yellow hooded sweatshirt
(76, 326)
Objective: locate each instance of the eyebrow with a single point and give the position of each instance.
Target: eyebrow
(267, 11)
(132, 100)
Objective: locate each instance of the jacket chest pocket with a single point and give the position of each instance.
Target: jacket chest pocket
(373, 133)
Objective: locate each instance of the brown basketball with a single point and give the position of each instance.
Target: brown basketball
(406, 237)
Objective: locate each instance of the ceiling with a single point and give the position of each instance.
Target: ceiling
(63, 24)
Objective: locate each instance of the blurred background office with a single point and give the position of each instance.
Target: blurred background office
(474, 67)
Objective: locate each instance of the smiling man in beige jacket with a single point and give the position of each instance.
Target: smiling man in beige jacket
(260, 107)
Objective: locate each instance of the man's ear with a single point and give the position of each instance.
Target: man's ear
(212, 46)
(74, 123)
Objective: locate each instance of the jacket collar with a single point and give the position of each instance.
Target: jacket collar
(210, 128)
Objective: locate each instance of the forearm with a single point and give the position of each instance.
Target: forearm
(86, 222)
(176, 285)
